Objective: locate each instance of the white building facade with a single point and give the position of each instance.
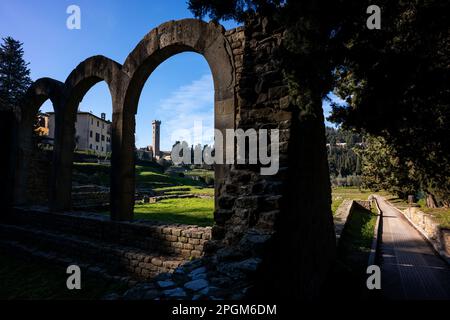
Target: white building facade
(92, 133)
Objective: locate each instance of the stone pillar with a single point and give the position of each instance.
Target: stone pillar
(284, 219)
(122, 166)
(60, 194)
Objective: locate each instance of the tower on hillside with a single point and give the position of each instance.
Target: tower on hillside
(156, 137)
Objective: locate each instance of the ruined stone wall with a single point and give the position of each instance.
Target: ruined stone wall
(267, 222)
(183, 240)
(364, 203)
(40, 164)
(250, 202)
(438, 236)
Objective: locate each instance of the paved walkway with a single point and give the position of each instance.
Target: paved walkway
(410, 268)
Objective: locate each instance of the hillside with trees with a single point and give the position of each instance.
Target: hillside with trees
(343, 159)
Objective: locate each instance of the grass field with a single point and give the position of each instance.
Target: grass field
(186, 190)
(146, 176)
(31, 280)
(351, 193)
(197, 211)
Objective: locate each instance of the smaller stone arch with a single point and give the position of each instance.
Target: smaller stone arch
(40, 91)
(88, 73)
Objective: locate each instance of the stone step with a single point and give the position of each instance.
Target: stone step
(117, 259)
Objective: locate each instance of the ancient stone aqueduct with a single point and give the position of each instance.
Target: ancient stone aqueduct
(282, 221)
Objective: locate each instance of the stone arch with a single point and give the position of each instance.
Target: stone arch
(88, 73)
(163, 42)
(40, 91)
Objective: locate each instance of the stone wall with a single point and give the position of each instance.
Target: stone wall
(90, 197)
(364, 203)
(40, 164)
(439, 237)
(183, 240)
(268, 218)
(341, 216)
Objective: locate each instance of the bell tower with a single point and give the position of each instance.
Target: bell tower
(156, 137)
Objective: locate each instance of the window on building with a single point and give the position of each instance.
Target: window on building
(97, 137)
(98, 123)
(90, 146)
(103, 138)
(96, 147)
(102, 149)
(92, 121)
(90, 133)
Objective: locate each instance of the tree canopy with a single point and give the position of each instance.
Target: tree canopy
(394, 80)
(14, 73)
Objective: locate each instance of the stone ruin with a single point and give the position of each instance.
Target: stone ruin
(273, 235)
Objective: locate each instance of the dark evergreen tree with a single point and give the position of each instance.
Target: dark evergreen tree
(14, 73)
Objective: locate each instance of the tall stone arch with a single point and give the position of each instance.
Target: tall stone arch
(40, 91)
(163, 42)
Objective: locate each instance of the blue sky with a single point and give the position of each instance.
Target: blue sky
(179, 92)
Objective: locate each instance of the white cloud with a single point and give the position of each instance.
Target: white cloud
(184, 108)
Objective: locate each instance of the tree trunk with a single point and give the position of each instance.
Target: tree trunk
(431, 201)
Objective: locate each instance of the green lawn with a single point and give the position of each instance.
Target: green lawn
(149, 176)
(201, 173)
(196, 211)
(186, 190)
(351, 193)
(146, 177)
(31, 280)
